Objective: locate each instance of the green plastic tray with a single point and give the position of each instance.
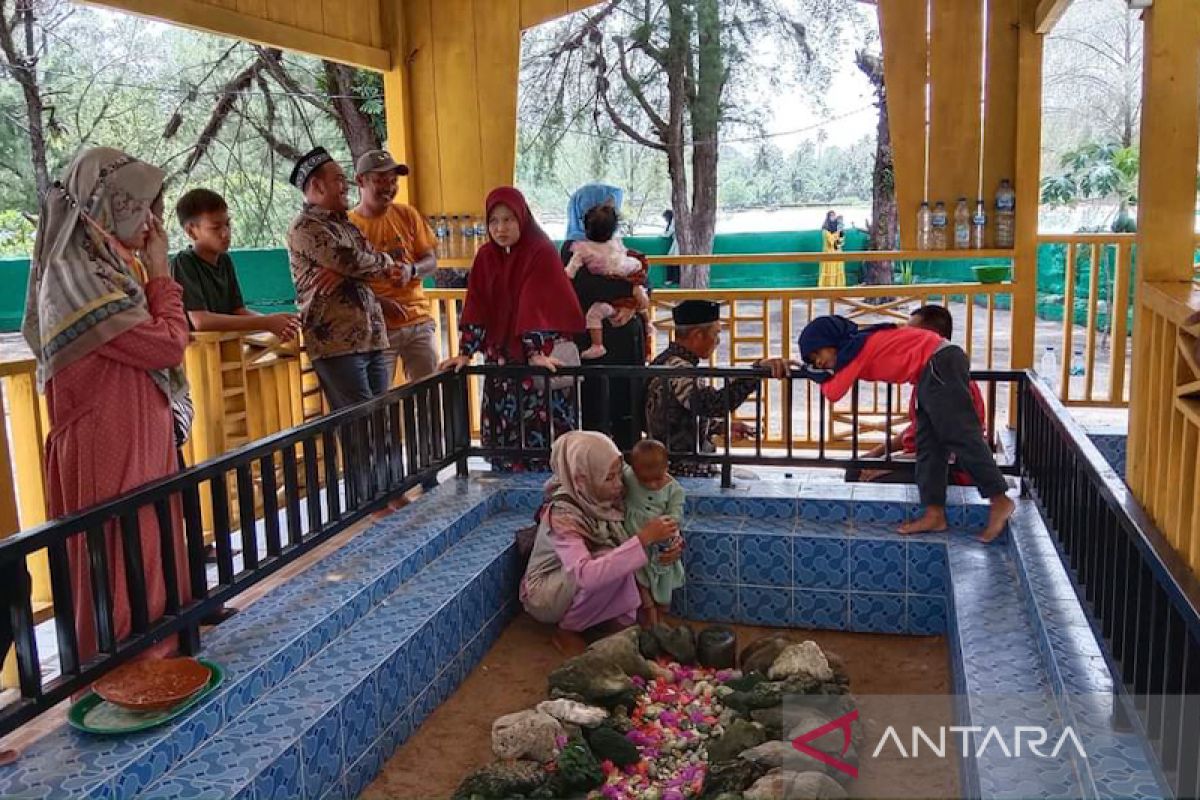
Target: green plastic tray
(95, 715)
(991, 273)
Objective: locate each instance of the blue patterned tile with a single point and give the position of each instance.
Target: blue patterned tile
(283, 778)
(765, 606)
(877, 613)
(821, 563)
(712, 523)
(197, 726)
(764, 560)
(708, 507)
(362, 772)
(877, 566)
(770, 508)
(273, 720)
(712, 603)
(324, 759)
(447, 632)
(820, 610)
(926, 616)
(360, 718)
(148, 768)
(869, 512)
(396, 734)
(710, 557)
(172, 788)
(422, 661)
(229, 761)
(827, 490)
(769, 527)
(826, 511)
(679, 602)
(395, 687)
(822, 530)
(928, 571)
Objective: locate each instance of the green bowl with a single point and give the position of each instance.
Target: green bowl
(91, 714)
(992, 273)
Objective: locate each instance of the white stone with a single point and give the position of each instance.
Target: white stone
(785, 785)
(575, 713)
(805, 658)
(526, 734)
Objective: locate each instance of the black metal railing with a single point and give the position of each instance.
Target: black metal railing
(305, 485)
(294, 490)
(760, 448)
(1144, 597)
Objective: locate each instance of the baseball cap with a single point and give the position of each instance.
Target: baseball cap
(378, 161)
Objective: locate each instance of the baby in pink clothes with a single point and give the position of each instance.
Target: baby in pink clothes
(603, 253)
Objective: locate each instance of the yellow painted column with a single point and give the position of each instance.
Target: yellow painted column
(1166, 203)
(1028, 177)
(396, 93)
(1171, 141)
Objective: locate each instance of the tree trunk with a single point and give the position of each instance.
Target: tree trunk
(24, 69)
(884, 232)
(705, 107)
(355, 125)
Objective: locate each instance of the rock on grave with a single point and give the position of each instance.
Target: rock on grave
(609, 745)
(526, 734)
(776, 754)
(601, 674)
(569, 711)
(732, 777)
(759, 655)
(798, 660)
(716, 648)
(739, 737)
(502, 780)
(785, 785)
(678, 644)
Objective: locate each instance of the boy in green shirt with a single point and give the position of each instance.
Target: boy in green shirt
(651, 492)
(211, 294)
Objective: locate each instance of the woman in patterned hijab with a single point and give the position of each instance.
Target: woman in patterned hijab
(106, 324)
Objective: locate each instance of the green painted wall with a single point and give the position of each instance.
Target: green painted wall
(267, 284)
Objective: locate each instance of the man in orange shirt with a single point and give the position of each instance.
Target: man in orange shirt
(401, 232)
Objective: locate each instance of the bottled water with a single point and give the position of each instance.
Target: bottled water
(1006, 215)
(978, 226)
(962, 225)
(924, 224)
(938, 235)
(1049, 368)
(1077, 365)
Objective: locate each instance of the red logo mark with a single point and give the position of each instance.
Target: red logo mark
(801, 743)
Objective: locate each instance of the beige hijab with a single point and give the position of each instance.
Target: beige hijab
(82, 293)
(581, 461)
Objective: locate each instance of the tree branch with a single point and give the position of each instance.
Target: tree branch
(635, 89)
(626, 128)
(273, 60)
(228, 97)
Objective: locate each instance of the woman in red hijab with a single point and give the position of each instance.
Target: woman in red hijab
(519, 304)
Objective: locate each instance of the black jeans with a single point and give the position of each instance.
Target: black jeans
(353, 378)
(947, 423)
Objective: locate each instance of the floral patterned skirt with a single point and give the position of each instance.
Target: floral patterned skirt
(509, 402)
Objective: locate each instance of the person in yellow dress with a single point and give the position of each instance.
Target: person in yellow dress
(833, 273)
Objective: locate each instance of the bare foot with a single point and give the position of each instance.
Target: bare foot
(569, 643)
(8, 757)
(933, 520)
(1002, 508)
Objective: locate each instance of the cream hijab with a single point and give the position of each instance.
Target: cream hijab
(581, 460)
(82, 292)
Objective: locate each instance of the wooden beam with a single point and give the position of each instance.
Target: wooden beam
(214, 19)
(1171, 141)
(1049, 12)
(904, 65)
(1028, 163)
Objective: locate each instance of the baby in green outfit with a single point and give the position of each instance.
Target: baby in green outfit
(651, 492)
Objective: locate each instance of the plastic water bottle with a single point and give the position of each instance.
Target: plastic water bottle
(1077, 367)
(978, 226)
(1049, 368)
(468, 230)
(938, 235)
(962, 225)
(1006, 215)
(442, 231)
(924, 224)
(481, 234)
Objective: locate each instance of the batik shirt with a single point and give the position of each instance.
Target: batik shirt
(686, 413)
(348, 320)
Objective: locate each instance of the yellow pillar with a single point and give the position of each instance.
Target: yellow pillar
(1028, 178)
(1171, 141)
(396, 93)
(1166, 202)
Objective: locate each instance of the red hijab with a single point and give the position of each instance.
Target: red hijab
(521, 290)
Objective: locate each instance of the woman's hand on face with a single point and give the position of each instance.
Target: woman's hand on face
(658, 530)
(456, 364)
(546, 362)
(155, 254)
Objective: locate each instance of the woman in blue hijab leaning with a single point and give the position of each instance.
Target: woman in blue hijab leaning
(624, 334)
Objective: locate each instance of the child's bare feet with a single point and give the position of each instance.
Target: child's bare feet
(1002, 508)
(594, 352)
(569, 643)
(932, 521)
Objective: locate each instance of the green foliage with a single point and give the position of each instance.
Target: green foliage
(16, 234)
(1097, 171)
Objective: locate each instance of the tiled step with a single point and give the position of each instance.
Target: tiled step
(259, 648)
(1117, 762)
(327, 728)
